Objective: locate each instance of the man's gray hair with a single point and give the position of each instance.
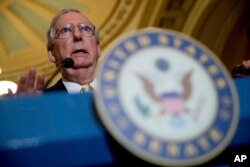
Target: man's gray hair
(50, 38)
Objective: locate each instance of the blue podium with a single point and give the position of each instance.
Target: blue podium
(51, 130)
(64, 130)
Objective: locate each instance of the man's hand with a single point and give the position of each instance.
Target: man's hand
(246, 64)
(30, 84)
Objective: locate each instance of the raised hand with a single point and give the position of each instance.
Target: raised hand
(30, 83)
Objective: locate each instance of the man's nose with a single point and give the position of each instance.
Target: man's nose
(77, 33)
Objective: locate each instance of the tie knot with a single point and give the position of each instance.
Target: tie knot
(86, 88)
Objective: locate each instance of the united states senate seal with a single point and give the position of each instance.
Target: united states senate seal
(166, 98)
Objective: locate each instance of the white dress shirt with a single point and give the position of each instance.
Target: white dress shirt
(73, 87)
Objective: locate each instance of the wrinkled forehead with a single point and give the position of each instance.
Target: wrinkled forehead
(71, 17)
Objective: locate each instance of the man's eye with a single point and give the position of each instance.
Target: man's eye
(86, 28)
(65, 30)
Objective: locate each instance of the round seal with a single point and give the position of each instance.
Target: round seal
(166, 98)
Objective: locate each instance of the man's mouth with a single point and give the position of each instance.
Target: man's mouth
(80, 51)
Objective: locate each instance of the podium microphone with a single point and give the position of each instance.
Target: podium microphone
(240, 70)
(67, 63)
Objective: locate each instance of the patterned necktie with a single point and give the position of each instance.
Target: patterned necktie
(86, 88)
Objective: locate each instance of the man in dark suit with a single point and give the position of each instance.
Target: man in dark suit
(70, 35)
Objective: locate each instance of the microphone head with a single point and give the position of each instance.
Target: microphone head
(68, 62)
(240, 70)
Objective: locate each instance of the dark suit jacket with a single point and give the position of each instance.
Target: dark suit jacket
(59, 86)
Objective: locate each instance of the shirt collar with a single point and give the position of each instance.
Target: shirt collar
(73, 87)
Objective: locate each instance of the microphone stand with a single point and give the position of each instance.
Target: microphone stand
(52, 77)
(67, 63)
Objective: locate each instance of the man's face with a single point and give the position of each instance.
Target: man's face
(84, 50)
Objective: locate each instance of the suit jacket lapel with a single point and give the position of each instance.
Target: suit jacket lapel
(59, 86)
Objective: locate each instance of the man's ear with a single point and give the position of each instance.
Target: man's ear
(51, 56)
(99, 51)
